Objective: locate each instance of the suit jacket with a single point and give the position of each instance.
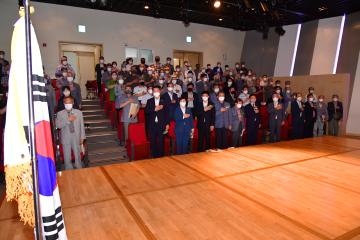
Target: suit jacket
(297, 115)
(205, 119)
(222, 119)
(152, 114)
(183, 125)
(310, 112)
(195, 96)
(252, 118)
(274, 114)
(234, 118)
(63, 123)
(169, 106)
(339, 110)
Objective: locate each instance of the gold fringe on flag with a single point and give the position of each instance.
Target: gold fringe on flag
(18, 185)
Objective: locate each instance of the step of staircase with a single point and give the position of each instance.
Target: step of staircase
(99, 145)
(90, 106)
(94, 129)
(106, 161)
(108, 152)
(97, 123)
(94, 117)
(101, 136)
(90, 101)
(93, 112)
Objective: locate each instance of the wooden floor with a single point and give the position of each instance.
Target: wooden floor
(305, 189)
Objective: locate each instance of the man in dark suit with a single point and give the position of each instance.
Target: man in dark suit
(252, 115)
(335, 111)
(191, 97)
(297, 116)
(276, 112)
(171, 101)
(100, 68)
(155, 111)
(310, 114)
(205, 113)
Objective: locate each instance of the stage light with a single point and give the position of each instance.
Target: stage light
(146, 6)
(217, 4)
(220, 19)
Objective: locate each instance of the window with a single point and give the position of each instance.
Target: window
(137, 54)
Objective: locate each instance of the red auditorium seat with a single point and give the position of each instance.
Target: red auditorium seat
(141, 116)
(84, 157)
(137, 146)
(170, 140)
(53, 83)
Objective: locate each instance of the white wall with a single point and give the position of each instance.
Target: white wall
(325, 46)
(54, 23)
(286, 51)
(353, 126)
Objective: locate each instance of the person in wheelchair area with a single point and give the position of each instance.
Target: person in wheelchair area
(71, 123)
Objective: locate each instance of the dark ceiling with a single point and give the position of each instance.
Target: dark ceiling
(235, 14)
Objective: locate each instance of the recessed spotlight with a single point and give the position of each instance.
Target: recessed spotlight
(220, 19)
(322, 8)
(217, 4)
(146, 7)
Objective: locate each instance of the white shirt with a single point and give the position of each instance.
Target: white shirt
(140, 89)
(157, 103)
(178, 90)
(205, 104)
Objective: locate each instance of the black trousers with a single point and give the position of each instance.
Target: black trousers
(275, 130)
(309, 129)
(204, 138)
(99, 86)
(156, 140)
(297, 130)
(221, 138)
(251, 135)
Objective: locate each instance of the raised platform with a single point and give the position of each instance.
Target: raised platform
(305, 189)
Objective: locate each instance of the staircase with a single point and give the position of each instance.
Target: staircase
(102, 142)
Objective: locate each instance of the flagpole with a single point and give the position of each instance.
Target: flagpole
(31, 130)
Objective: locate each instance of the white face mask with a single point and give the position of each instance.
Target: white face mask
(275, 99)
(229, 84)
(299, 99)
(311, 99)
(206, 79)
(109, 69)
(216, 90)
(68, 106)
(161, 81)
(221, 99)
(156, 94)
(2, 56)
(253, 100)
(121, 81)
(246, 91)
(335, 99)
(70, 79)
(101, 61)
(182, 104)
(239, 105)
(150, 91)
(170, 89)
(321, 100)
(64, 74)
(278, 91)
(205, 98)
(141, 69)
(149, 72)
(66, 93)
(174, 82)
(64, 62)
(190, 79)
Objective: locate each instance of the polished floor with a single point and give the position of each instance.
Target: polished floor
(304, 189)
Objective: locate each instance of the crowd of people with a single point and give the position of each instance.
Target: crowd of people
(220, 98)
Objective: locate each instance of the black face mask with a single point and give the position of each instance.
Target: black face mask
(190, 89)
(142, 83)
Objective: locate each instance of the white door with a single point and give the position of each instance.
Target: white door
(86, 67)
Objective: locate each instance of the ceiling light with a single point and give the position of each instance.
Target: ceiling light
(146, 6)
(217, 4)
(220, 19)
(322, 8)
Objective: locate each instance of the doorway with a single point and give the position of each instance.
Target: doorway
(193, 58)
(83, 58)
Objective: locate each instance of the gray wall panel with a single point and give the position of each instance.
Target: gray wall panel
(305, 48)
(259, 54)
